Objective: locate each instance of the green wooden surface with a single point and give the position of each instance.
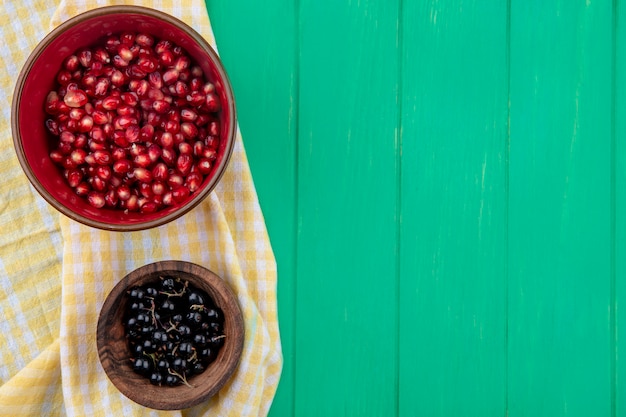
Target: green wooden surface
(443, 185)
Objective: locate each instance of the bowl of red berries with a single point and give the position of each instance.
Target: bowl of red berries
(170, 335)
(123, 118)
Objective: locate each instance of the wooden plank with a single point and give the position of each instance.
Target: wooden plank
(257, 44)
(619, 214)
(346, 290)
(560, 205)
(453, 237)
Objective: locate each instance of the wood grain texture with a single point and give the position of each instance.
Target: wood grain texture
(257, 45)
(453, 236)
(346, 291)
(560, 205)
(444, 190)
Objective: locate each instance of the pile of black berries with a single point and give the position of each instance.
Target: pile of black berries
(174, 330)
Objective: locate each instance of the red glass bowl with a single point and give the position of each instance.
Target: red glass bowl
(33, 142)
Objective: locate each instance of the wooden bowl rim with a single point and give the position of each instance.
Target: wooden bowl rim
(234, 341)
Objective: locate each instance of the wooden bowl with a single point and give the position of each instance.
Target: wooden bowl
(115, 355)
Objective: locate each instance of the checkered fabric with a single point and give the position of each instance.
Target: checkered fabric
(55, 273)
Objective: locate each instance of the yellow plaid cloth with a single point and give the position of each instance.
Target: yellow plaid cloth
(56, 273)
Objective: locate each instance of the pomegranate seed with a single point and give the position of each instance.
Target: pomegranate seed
(184, 163)
(155, 80)
(209, 153)
(71, 63)
(127, 38)
(193, 181)
(118, 153)
(145, 40)
(195, 84)
(76, 113)
(111, 198)
(213, 102)
(179, 194)
(146, 133)
(122, 122)
(212, 142)
(97, 183)
(142, 88)
(120, 62)
(204, 166)
(172, 126)
(102, 157)
(189, 130)
(104, 172)
(122, 166)
(129, 98)
(97, 68)
(75, 98)
(143, 160)
(168, 156)
(56, 156)
(196, 98)
(65, 148)
(78, 156)
(136, 72)
(182, 63)
(185, 148)
(208, 88)
(74, 177)
(147, 63)
(102, 87)
(154, 152)
(142, 174)
(96, 146)
(198, 148)
(166, 58)
(197, 72)
(148, 207)
(145, 189)
(160, 172)
(188, 115)
(178, 138)
(64, 77)
(170, 76)
(96, 199)
(123, 192)
(214, 128)
(82, 189)
(158, 188)
(85, 124)
(162, 46)
(168, 200)
(110, 102)
(155, 94)
(175, 180)
(137, 149)
(81, 141)
(53, 127)
(101, 55)
(84, 57)
(99, 117)
(181, 89)
(52, 102)
(161, 106)
(67, 137)
(97, 134)
(132, 204)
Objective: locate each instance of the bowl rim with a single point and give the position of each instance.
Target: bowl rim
(189, 268)
(95, 13)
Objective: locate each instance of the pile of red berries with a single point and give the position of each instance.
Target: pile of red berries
(174, 330)
(136, 123)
